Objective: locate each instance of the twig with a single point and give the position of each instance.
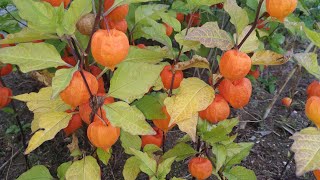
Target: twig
(11, 158)
(24, 142)
(253, 26)
(9, 164)
(285, 167)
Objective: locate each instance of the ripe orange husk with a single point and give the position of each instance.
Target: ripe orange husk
(76, 92)
(255, 73)
(237, 93)
(163, 124)
(96, 71)
(74, 124)
(121, 25)
(141, 46)
(235, 65)
(200, 168)
(153, 139)
(286, 102)
(314, 89)
(85, 110)
(109, 47)
(316, 174)
(103, 136)
(5, 96)
(180, 17)
(5, 70)
(56, 3)
(313, 110)
(281, 9)
(169, 29)
(196, 18)
(119, 13)
(166, 77)
(217, 111)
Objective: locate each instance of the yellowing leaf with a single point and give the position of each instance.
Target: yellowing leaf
(131, 168)
(310, 62)
(51, 123)
(128, 118)
(306, 147)
(194, 96)
(239, 16)
(266, 57)
(32, 56)
(74, 146)
(147, 165)
(86, 168)
(211, 36)
(252, 43)
(196, 61)
(153, 55)
(41, 102)
(187, 44)
(43, 76)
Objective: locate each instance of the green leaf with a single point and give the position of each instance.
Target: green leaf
(309, 62)
(181, 151)
(306, 147)
(221, 155)
(128, 118)
(164, 168)
(252, 43)
(77, 9)
(211, 36)
(59, 45)
(236, 152)
(86, 168)
(239, 16)
(131, 168)
(104, 156)
(216, 135)
(61, 80)
(240, 173)
(8, 24)
(312, 35)
(187, 44)
(144, 12)
(132, 80)
(151, 107)
(151, 148)
(40, 16)
(229, 124)
(129, 141)
(26, 35)
(62, 170)
(170, 20)
(151, 56)
(148, 165)
(36, 172)
(194, 4)
(31, 56)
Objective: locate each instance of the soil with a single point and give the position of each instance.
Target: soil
(268, 157)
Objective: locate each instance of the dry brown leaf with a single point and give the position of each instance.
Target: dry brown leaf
(267, 57)
(196, 61)
(44, 77)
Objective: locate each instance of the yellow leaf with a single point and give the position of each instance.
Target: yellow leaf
(85, 169)
(196, 61)
(252, 43)
(189, 126)
(42, 102)
(35, 122)
(50, 123)
(266, 57)
(194, 96)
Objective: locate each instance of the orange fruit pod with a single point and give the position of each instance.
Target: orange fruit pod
(195, 18)
(286, 102)
(56, 3)
(5, 96)
(141, 46)
(119, 13)
(180, 17)
(103, 136)
(96, 71)
(314, 89)
(85, 110)
(169, 29)
(70, 60)
(74, 124)
(316, 174)
(235, 65)
(217, 111)
(153, 139)
(76, 92)
(255, 73)
(237, 93)
(166, 77)
(163, 124)
(200, 168)
(109, 47)
(5, 70)
(281, 9)
(121, 25)
(313, 110)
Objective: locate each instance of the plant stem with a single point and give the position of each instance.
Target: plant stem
(253, 25)
(94, 29)
(15, 18)
(24, 142)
